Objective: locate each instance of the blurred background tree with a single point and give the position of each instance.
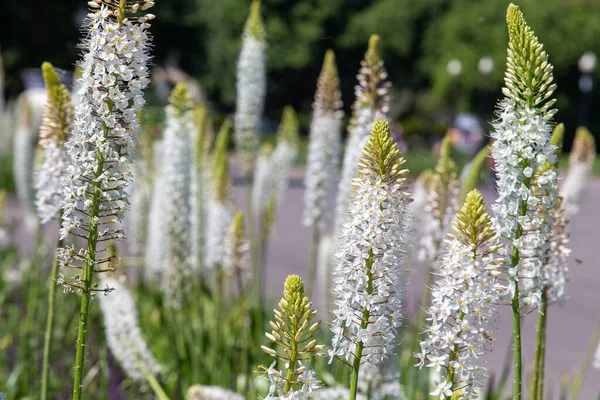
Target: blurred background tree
(419, 39)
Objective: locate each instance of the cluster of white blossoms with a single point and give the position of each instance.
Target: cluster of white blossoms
(527, 192)
(371, 103)
(251, 86)
(50, 177)
(201, 392)
(324, 145)
(463, 303)
(369, 263)
(123, 333)
(305, 378)
(581, 160)
(525, 202)
(101, 147)
(178, 273)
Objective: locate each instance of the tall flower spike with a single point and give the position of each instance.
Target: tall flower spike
(464, 304)
(522, 145)
(324, 144)
(443, 189)
(220, 207)
(369, 265)
(292, 330)
(123, 332)
(581, 161)
(177, 163)
(251, 86)
(56, 123)
(101, 148)
(372, 102)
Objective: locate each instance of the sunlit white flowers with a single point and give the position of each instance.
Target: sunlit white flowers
(463, 304)
(368, 273)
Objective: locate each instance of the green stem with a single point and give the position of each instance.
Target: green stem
(252, 239)
(292, 362)
(363, 325)
(537, 387)
(87, 282)
(454, 351)
(516, 309)
(151, 379)
(49, 322)
(312, 265)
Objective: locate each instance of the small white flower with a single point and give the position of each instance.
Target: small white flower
(442, 389)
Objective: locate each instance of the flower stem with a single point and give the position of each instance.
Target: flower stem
(151, 379)
(312, 265)
(537, 388)
(363, 325)
(49, 323)
(87, 281)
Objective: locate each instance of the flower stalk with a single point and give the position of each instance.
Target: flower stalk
(95, 201)
(369, 264)
(56, 124)
(522, 145)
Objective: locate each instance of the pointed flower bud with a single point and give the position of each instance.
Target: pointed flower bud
(298, 339)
